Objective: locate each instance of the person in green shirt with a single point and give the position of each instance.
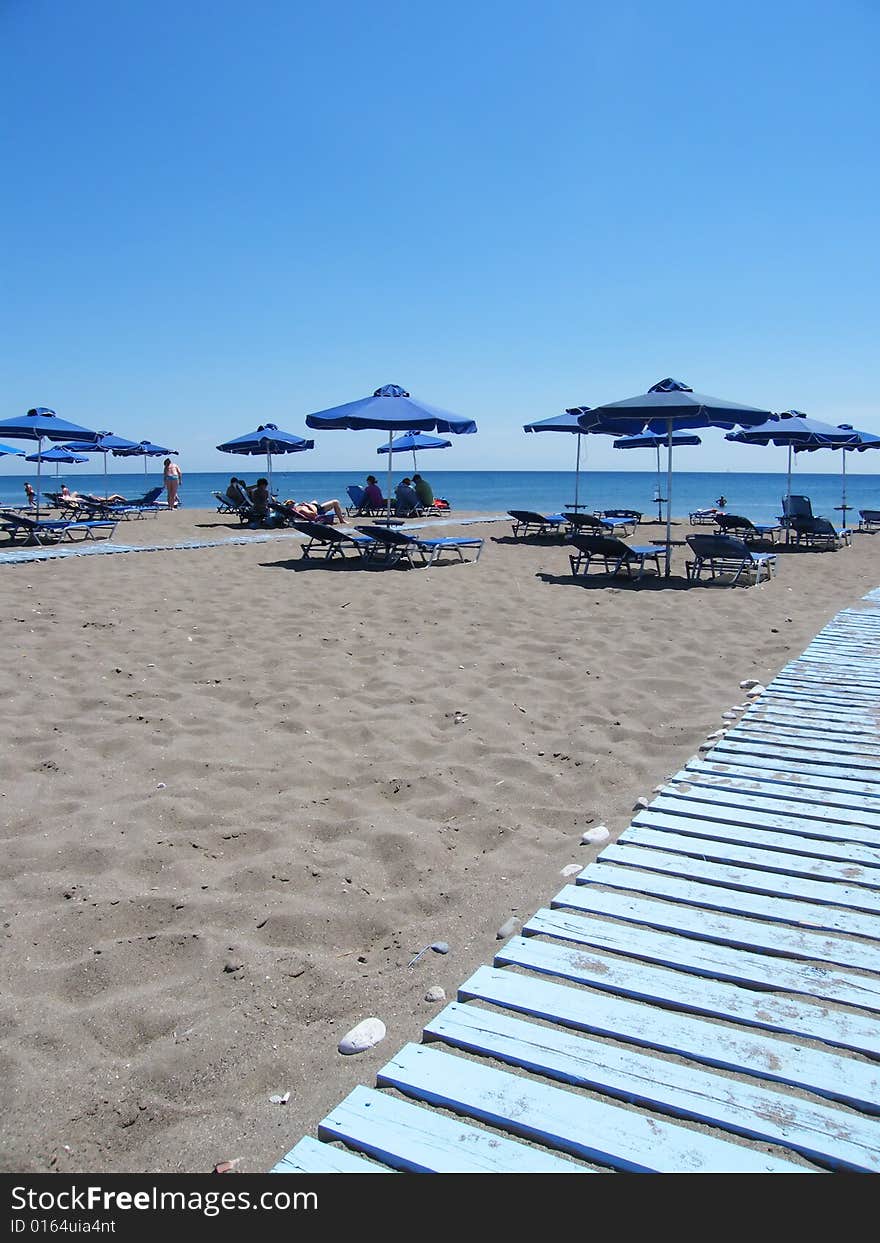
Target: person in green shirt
(423, 491)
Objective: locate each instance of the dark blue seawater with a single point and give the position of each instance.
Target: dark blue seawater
(757, 496)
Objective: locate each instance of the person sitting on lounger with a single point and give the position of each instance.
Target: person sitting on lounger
(373, 498)
(407, 501)
(423, 491)
(236, 491)
(259, 498)
(312, 510)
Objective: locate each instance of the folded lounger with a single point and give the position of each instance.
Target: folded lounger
(724, 554)
(526, 522)
(702, 517)
(613, 553)
(53, 531)
(820, 533)
(393, 546)
(745, 529)
(869, 519)
(327, 541)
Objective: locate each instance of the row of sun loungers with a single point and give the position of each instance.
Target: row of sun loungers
(53, 531)
(381, 545)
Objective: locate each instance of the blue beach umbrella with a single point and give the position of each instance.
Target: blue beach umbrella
(857, 440)
(667, 407)
(267, 439)
(412, 441)
(103, 443)
(57, 454)
(653, 440)
(390, 409)
(145, 449)
(792, 429)
(567, 422)
(7, 451)
(41, 424)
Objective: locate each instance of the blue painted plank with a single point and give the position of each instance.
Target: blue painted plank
(763, 814)
(780, 783)
(735, 930)
(765, 759)
(737, 901)
(868, 755)
(588, 1128)
(708, 840)
(742, 742)
(311, 1157)
(425, 1142)
(749, 1052)
(698, 995)
(794, 713)
(823, 1133)
(739, 878)
(850, 689)
(841, 741)
(700, 958)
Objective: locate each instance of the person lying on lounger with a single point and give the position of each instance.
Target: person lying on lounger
(310, 510)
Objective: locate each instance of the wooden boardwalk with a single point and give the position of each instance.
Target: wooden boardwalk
(704, 998)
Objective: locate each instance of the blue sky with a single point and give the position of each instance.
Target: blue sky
(220, 214)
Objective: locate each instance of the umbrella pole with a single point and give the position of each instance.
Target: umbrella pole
(659, 488)
(388, 484)
(415, 468)
(269, 470)
(669, 500)
(106, 489)
(788, 502)
(577, 476)
(39, 455)
(843, 504)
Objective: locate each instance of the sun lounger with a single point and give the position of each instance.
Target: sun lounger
(820, 533)
(613, 554)
(392, 546)
(621, 519)
(361, 507)
(526, 522)
(53, 531)
(726, 555)
(588, 524)
(869, 519)
(328, 542)
(745, 529)
(702, 517)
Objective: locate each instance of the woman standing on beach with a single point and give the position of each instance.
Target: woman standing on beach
(172, 478)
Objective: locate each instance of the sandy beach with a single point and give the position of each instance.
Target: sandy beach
(240, 791)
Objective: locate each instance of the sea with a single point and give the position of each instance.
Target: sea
(756, 496)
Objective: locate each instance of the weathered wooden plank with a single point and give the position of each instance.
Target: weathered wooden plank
(699, 995)
(749, 1052)
(789, 713)
(725, 929)
(743, 878)
(743, 741)
(818, 741)
(707, 958)
(780, 783)
(734, 844)
(822, 1133)
(737, 901)
(766, 814)
(580, 1125)
(765, 759)
(425, 1142)
(312, 1157)
(852, 691)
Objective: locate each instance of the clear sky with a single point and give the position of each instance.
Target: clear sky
(217, 214)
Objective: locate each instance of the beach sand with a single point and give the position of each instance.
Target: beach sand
(239, 792)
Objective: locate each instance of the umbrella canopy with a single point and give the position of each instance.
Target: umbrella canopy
(653, 440)
(669, 406)
(267, 439)
(144, 449)
(57, 454)
(413, 440)
(567, 422)
(6, 450)
(42, 424)
(795, 431)
(103, 443)
(390, 409)
(855, 440)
